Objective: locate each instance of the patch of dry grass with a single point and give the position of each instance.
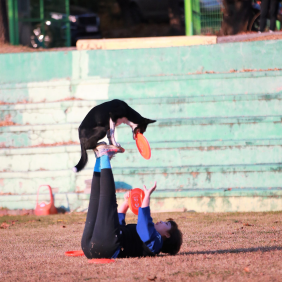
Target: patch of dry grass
(217, 247)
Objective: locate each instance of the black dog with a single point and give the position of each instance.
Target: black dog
(102, 120)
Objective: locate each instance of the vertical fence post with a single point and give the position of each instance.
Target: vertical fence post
(16, 22)
(68, 35)
(188, 17)
(11, 21)
(196, 13)
(278, 25)
(42, 22)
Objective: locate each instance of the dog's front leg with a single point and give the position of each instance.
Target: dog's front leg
(112, 139)
(109, 137)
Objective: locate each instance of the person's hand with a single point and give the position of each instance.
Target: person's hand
(124, 206)
(126, 196)
(148, 192)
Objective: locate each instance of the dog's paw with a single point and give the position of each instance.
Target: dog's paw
(74, 169)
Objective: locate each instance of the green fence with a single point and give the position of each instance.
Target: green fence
(203, 16)
(210, 16)
(39, 23)
(46, 23)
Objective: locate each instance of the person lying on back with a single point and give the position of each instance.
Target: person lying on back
(105, 233)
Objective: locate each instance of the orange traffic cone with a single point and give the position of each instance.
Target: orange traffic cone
(44, 208)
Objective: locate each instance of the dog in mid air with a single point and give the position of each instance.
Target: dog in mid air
(102, 120)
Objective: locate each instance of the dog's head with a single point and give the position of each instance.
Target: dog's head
(141, 128)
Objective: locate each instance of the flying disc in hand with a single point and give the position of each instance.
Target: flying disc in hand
(143, 146)
(135, 199)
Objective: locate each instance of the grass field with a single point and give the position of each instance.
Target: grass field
(217, 247)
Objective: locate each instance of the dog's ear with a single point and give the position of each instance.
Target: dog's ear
(150, 121)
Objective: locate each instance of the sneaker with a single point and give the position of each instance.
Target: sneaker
(98, 144)
(104, 149)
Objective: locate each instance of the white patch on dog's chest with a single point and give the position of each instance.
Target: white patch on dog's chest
(126, 121)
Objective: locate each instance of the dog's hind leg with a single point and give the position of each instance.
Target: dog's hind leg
(97, 134)
(88, 141)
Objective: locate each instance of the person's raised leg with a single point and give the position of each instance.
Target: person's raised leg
(92, 210)
(106, 232)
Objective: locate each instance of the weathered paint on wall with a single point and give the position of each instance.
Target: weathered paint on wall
(201, 201)
(213, 106)
(219, 123)
(195, 154)
(45, 66)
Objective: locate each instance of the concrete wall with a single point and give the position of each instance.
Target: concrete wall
(216, 146)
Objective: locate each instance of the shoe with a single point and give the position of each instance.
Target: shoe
(104, 149)
(271, 31)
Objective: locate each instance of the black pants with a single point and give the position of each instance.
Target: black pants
(271, 6)
(100, 237)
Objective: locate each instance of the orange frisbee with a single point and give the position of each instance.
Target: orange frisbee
(143, 146)
(101, 261)
(135, 199)
(74, 253)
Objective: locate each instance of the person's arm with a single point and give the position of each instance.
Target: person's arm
(147, 232)
(145, 226)
(123, 209)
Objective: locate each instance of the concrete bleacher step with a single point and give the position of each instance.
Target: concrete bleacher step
(264, 82)
(67, 201)
(157, 86)
(230, 128)
(248, 199)
(177, 178)
(170, 154)
(54, 90)
(46, 113)
(157, 108)
(217, 137)
(243, 56)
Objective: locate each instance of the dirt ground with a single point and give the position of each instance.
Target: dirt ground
(267, 37)
(217, 247)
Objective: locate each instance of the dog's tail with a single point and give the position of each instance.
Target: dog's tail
(83, 160)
